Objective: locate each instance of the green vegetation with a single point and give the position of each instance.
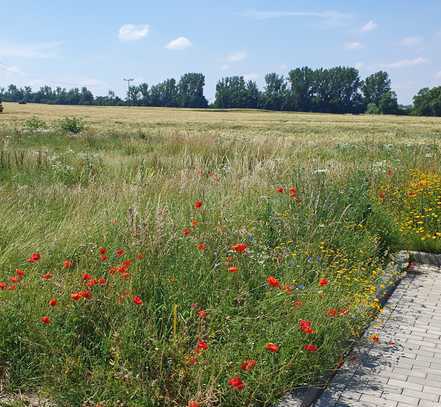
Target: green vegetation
(199, 258)
(334, 90)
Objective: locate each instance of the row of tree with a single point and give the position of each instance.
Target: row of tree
(188, 92)
(333, 90)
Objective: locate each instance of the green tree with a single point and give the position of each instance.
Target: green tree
(388, 103)
(235, 92)
(375, 86)
(428, 102)
(191, 91)
(302, 87)
(275, 94)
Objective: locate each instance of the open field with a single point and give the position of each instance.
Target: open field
(199, 258)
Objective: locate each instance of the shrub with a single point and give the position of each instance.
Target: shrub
(372, 108)
(35, 123)
(73, 125)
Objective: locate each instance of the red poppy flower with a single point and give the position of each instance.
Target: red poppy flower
(343, 311)
(281, 190)
(34, 258)
(102, 250)
(248, 365)
(53, 302)
(272, 347)
(192, 361)
(86, 294)
(3, 285)
(202, 314)
(288, 289)
(332, 312)
(323, 282)
(375, 338)
(14, 279)
(87, 276)
(119, 252)
(198, 204)
(310, 348)
(137, 300)
(273, 282)
(194, 222)
(81, 294)
(305, 327)
(233, 269)
(236, 383)
(12, 287)
(201, 246)
(20, 273)
(76, 296)
(193, 403)
(202, 345)
(297, 304)
(293, 192)
(45, 320)
(46, 276)
(240, 247)
(102, 281)
(103, 257)
(381, 195)
(67, 264)
(139, 256)
(92, 283)
(186, 231)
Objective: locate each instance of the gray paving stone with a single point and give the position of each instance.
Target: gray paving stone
(408, 372)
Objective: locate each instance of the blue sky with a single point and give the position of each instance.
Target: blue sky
(96, 43)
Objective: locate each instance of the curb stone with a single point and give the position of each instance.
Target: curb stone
(397, 268)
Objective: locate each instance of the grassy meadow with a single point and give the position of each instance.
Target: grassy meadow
(173, 257)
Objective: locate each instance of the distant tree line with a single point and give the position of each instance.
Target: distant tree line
(333, 90)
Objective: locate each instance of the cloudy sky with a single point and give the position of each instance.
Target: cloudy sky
(97, 43)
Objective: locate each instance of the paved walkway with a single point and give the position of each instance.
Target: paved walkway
(404, 368)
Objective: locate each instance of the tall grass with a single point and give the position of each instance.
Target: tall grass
(324, 243)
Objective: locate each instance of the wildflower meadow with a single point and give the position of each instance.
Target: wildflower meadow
(199, 258)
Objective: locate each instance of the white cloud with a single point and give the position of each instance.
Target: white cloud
(236, 56)
(411, 41)
(38, 50)
(179, 43)
(353, 45)
(11, 69)
(371, 25)
(331, 17)
(406, 63)
(251, 76)
(132, 32)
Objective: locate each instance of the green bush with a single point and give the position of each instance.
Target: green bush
(73, 125)
(35, 123)
(372, 108)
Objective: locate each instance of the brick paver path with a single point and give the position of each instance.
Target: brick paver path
(404, 368)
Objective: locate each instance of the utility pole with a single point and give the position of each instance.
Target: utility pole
(128, 86)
